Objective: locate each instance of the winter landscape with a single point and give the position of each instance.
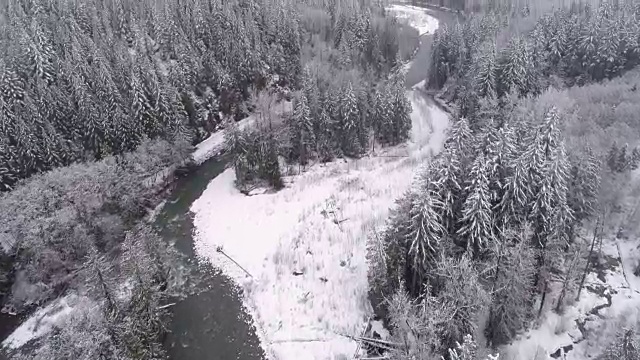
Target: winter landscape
(319, 179)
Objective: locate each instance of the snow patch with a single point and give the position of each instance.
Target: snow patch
(212, 145)
(43, 321)
(416, 17)
(305, 245)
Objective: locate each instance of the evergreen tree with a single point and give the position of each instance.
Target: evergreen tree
(514, 205)
(302, 136)
(350, 123)
(512, 288)
(486, 71)
(476, 230)
(425, 232)
(447, 180)
(401, 114)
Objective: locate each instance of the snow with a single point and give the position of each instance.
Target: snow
(212, 145)
(558, 330)
(317, 225)
(42, 321)
(416, 17)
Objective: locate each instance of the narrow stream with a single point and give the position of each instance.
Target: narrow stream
(211, 325)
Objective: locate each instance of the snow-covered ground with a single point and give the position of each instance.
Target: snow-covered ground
(416, 17)
(212, 145)
(43, 321)
(305, 245)
(599, 321)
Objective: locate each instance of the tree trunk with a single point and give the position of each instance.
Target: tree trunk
(586, 268)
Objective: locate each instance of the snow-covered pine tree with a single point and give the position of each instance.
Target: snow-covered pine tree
(383, 115)
(512, 67)
(511, 307)
(550, 212)
(425, 231)
(392, 247)
(499, 152)
(301, 132)
(446, 180)
(349, 117)
(514, 205)
(325, 136)
(462, 297)
(476, 229)
(401, 113)
(485, 71)
(460, 139)
(439, 71)
(584, 185)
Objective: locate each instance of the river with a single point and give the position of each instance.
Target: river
(213, 324)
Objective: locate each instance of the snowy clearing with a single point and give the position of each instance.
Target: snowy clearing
(305, 245)
(416, 17)
(43, 321)
(212, 145)
(599, 317)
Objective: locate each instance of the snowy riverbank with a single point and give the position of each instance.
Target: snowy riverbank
(305, 245)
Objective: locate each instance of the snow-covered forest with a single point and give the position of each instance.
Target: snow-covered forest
(495, 239)
(489, 212)
(103, 100)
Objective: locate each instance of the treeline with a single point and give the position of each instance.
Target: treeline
(566, 48)
(351, 96)
(83, 80)
(493, 219)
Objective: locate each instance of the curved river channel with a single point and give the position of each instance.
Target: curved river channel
(213, 324)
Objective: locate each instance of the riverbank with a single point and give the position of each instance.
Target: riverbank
(304, 247)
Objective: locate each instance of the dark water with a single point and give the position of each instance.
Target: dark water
(422, 60)
(211, 325)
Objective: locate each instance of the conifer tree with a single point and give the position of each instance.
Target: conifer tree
(349, 122)
(486, 71)
(425, 231)
(447, 180)
(514, 205)
(512, 288)
(401, 114)
(476, 230)
(302, 136)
